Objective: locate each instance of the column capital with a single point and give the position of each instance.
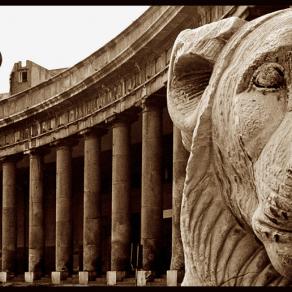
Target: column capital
(125, 117)
(36, 151)
(96, 131)
(11, 158)
(70, 141)
(150, 102)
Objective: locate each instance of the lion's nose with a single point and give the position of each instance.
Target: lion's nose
(271, 236)
(271, 224)
(276, 237)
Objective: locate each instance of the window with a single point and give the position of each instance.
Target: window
(22, 76)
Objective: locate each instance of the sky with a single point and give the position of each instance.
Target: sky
(58, 36)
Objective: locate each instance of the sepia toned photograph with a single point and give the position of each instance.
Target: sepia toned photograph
(146, 146)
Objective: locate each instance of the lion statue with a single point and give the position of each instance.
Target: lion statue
(230, 94)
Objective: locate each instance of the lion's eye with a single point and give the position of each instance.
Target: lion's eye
(270, 75)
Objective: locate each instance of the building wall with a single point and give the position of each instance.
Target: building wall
(35, 75)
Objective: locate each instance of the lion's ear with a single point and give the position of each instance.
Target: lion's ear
(193, 56)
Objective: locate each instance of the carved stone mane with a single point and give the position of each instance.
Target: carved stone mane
(229, 93)
(225, 252)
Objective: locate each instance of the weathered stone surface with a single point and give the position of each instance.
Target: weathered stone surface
(193, 56)
(180, 156)
(236, 205)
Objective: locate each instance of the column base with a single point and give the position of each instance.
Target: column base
(112, 277)
(5, 276)
(85, 277)
(143, 277)
(57, 277)
(30, 277)
(174, 277)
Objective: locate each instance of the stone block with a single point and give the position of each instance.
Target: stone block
(30, 277)
(143, 277)
(85, 277)
(4, 276)
(57, 277)
(112, 277)
(174, 277)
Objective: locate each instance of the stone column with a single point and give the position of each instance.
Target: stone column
(120, 234)
(151, 190)
(180, 157)
(36, 218)
(64, 250)
(8, 220)
(92, 208)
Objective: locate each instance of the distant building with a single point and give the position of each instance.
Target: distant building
(29, 75)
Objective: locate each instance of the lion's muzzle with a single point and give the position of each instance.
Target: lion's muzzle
(272, 220)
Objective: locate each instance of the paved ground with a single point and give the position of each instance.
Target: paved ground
(73, 281)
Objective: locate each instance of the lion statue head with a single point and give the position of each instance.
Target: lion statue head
(230, 94)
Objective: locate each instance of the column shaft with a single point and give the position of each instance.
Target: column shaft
(63, 210)
(9, 217)
(36, 216)
(151, 196)
(180, 156)
(92, 205)
(120, 249)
